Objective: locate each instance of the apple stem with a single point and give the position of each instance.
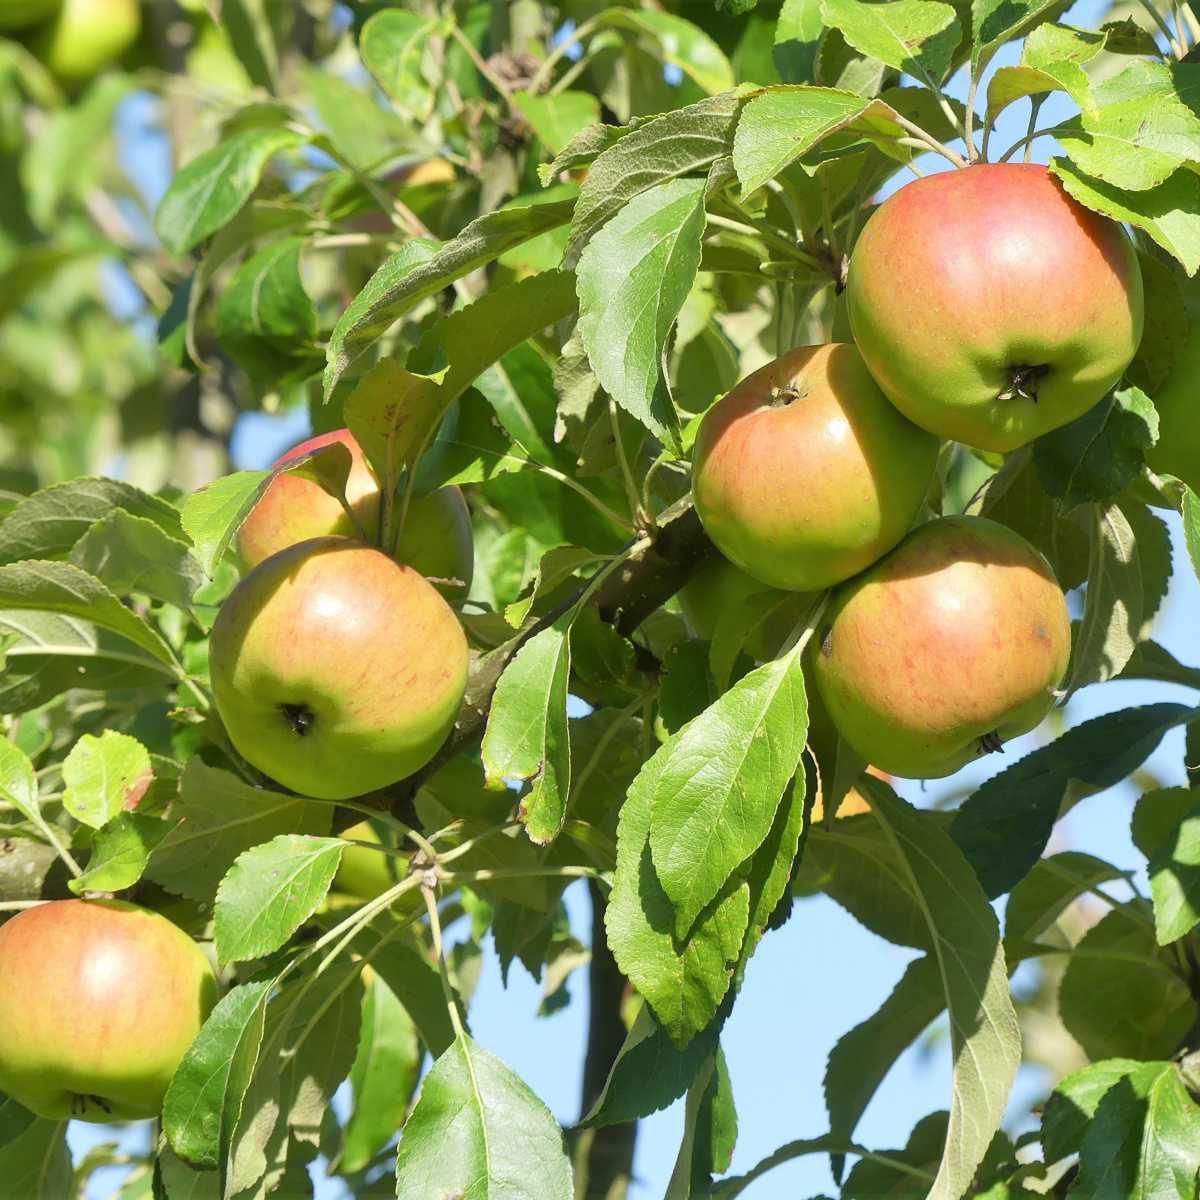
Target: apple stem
(969, 127)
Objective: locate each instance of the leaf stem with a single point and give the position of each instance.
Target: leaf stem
(930, 141)
(569, 872)
(435, 930)
(771, 237)
(1035, 104)
(969, 125)
(640, 516)
(543, 73)
(1025, 141)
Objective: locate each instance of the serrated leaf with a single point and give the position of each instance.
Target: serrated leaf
(557, 119)
(36, 1164)
(1190, 511)
(210, 189)
(1051, 59)
(634, 276)
(120, 851)
(678, 143)
(715, 787)
(18, 781)
(213, 515)
(1044, 894)
(479, 1133)
(102, 775)
(133, 554)
(797, 35)
(1147, 1007)
(1174, 870)
(966, 943)
(918, 37)
(218, 818)
(204, 1100)
(392, 44)
(270, 891)
(1073, 1104)
(48, 523)
(1004, 826)
(1169, 213)
(527, 735)
(995, 22)
(419, 270)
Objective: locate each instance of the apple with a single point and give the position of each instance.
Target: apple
(365, 873)
(1177, 451)
(86, 35)
(22, 14)
(990, 306)
(436, 539)
(804, 474)
(101, 999)
(947, 648)
(719, 589)
(336, 669)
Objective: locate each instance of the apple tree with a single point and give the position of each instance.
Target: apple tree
(721, 416)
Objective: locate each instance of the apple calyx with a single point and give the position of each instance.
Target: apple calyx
(991, 743)
(785, 394)
(1023, 382)
(298, 717)
(81, 1100)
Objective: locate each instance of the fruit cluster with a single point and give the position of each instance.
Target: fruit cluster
(338, 669)
(74, 38)
(1022, 309)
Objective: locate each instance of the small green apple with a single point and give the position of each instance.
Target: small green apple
(336, 669)
(436, 540)
(85, 36)
(365, 873)
(804, 474)
(947, 648)
(101, 999)
(991, 306)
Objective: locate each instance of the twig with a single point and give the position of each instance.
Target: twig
(931, 141)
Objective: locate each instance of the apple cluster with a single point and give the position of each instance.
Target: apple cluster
(338, 669)
(75, 39)
(987, 307)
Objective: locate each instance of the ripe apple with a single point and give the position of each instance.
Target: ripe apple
(436, 540)
(990, 306)
(101, 999)
(718, 588)
(336, 669)
(1177, 451)
(947, 648)
(365, 873)
(804, 474)
(22, 14)
(86, 35)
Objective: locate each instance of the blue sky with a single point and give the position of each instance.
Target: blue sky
(822, 973)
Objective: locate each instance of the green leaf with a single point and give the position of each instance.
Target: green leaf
(1073, 1104)
(270, 891)
(863, 1056)
(527, 735)
(219, 818)
(683, 981)
(1144, 1141)
(102, 775)
(1147, 1007)
(1143, 128)
(36, 1164)
(1046, 892)
(797, 35)
(392, 44)
(360, 129)
(419, 270)
(1190, 511)
(58, 587)
(133, 554)
(213, 515)
(680, 44)
(266, 320)
(557, 568)
(966, 944)
(650, 1072)
(557, 119)
(679, 1186)
(48, 523)
(715, 787)
(634, 276)
(383, 1078)
(779, 126)
(120, 851)
(1003, 828)
(918, 37)
(1169, 213)
(252, 37)
(995, 22)
(210, 190)
(1112, 615)
(1175, 877)
(204, 1100)
(1151, 661)
(1052, 59)
(683, 142)
(18, 781)
(479, 1133)
(1098, 456)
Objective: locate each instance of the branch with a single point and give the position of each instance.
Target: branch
(635, 590)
